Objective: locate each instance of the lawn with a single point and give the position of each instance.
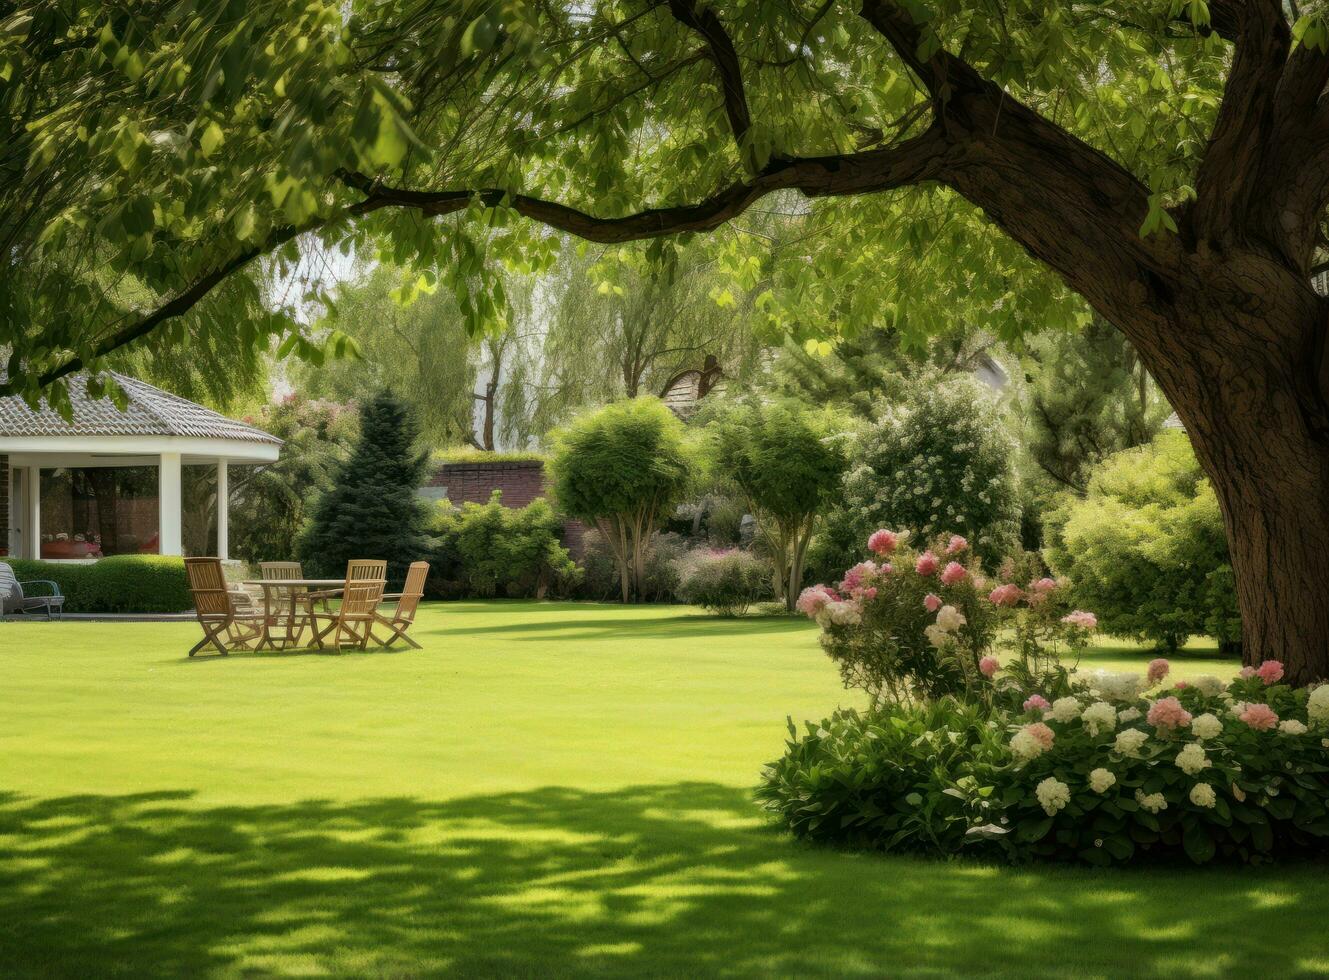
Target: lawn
(544, 790)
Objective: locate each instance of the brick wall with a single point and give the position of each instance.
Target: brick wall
(521, 482)
(4, 505)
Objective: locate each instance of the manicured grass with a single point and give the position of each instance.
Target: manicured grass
(544, 790)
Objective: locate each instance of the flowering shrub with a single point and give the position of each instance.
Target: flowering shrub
(1107, 774)
(725, 581)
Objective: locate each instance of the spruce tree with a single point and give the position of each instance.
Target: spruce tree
(371, 510)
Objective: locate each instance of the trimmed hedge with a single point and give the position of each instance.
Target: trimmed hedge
(119, 584)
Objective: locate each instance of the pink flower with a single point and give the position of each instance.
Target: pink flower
(1082, 619)
(956, 545)
(1271, 671)
(869, 593)
(987, 666)
(952, 573)
(853, 578)
(1167, 714)
(1246, 672)
(1041, 732)
(927, 563)
(1036, 701)
(1180, 686)
(1158, 669)
(883, 542)
(1005, 595)
(932, 602)
(1261, 717)
(1043, 585)
(814, 599)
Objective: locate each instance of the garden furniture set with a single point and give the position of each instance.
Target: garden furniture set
(336, 612)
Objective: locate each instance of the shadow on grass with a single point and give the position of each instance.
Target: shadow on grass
(679, 879)
(682, 626)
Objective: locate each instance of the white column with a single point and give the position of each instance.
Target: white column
(34, 490)
(223, 511)
(168, 504)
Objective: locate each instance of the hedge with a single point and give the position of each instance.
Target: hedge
(119, 584)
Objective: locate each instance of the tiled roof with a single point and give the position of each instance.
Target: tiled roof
(1173, 421)
(150, 412)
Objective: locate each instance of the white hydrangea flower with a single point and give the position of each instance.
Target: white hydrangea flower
(1153, 802)
(1128, 715)
(1025, 747)
(1064, 709)
(949, 618)
(1130, 741)
(1209, 685)
(936, 635)
(1053, 794)
(1292, 727)
(1117, 687)
(1207, 725)
(1099, 717)
(840, 613)
(1202, 794)
(1101, 780)
(1237, 708)
(1192, 760)
(1317, 706)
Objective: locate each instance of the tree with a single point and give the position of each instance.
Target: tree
(371, 510)
(1165, 163)
(786, 462)
(622, 468)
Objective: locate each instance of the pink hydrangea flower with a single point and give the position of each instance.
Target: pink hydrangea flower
(1271, 671)
(927, 563)
(814, 599)
(1167, 714)
(931, 602)
(1261, 717)
(1041, 732)
(1082, 619)
(1158, 669)
(853, 578)
(1044, 585)
(1036, 701)
(1005, 595)
(956, 545)
(952, 573)
(883, 542)
(869, 593)
(987, 666)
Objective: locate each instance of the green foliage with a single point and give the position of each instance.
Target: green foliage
(786, 461)
(941, 460)
(622, 468)
(270, 504)
(723, 582)
(371, 510)
(484, 550)
(601, 580)
(463, 454)
(118, 584)
(1146, 548)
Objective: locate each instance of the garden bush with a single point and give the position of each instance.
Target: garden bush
(659, 581)
(118, 584)
(724, 582)
(1235, 771)
(940, 460)
(1146, 549)
(487, 549)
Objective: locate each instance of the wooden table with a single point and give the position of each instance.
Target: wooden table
(272, 603)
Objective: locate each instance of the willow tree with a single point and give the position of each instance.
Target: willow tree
(1161, 162)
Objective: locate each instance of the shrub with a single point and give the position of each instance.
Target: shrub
(941, 460)
(723, 582)
(786, 461)
(1146, 549)
(488, 549)
(1236, 771)
(659, 581)
(623, 468)
(118, 584)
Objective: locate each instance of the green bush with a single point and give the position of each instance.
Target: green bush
(487, 549)
(1146, 548)
(723, 582)
(1209, 770)
(659, 581)
(941, 460)
(118, 584)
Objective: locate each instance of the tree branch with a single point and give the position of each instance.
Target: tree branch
(725, 57)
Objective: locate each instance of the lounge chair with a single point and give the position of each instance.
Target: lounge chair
(225, 626)
(14, 596)
(408, 599)
(353, 619)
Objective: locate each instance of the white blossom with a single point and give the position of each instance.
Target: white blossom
(1209, 685)
(1130, 741)
(1099, 717)
(1053, 794)
(1206, 726)
(1192, 760)
(1292, 727)
(1153, 802)
(1101, 780)
(1317, 706)
(1202, 794)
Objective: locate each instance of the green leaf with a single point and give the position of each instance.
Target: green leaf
(1198, 843)
(212, 138)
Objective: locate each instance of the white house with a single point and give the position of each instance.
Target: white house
(109, 482)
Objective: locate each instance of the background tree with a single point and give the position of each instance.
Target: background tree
(371, 510)
(1166, 164)
(786, 461)
(622, 468)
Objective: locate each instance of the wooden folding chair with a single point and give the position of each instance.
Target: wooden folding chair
(360, 596)
(224, 627)
(290, 613)
(408, 599)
